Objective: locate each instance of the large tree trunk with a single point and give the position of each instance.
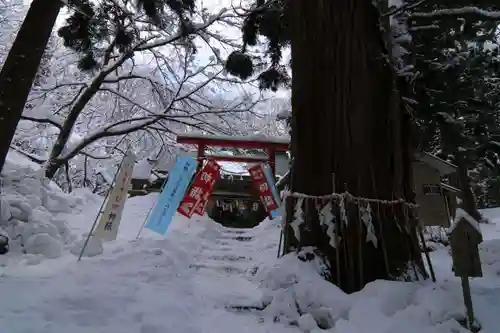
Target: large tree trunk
(347, 121)
(20, 67)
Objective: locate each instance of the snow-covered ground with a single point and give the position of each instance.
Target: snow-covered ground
(202, 277)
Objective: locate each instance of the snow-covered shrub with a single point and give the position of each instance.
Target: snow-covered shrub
(435, 238)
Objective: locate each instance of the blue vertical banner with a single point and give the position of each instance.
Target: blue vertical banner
(272, 184)
(172, 194)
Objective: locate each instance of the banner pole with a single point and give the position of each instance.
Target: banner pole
(100, 209)
(150, 210)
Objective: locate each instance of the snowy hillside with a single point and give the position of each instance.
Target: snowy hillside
(202, 277)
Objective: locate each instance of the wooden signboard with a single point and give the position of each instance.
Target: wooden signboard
(464, 240)
(465, 236)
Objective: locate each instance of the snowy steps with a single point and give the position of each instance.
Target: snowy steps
(239, 238)
(226, 260)
(230, 257)
(223, 261)
(219, 267)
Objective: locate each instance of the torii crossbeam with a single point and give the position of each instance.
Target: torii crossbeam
(268, 144)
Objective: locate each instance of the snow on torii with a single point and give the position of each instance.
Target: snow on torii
(271, 145)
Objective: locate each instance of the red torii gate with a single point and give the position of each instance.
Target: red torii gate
(270, 145)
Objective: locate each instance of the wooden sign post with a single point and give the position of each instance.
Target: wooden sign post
(465, 236)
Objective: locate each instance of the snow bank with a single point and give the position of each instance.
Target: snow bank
(136, 212)
(490, 258)
(35, 212)
(203, 277)
(491, 230)
(296, 294)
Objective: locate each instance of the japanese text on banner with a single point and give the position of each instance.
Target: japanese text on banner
(271, 182)
(197, 196)
(263, 188)
(178, 180)
(107, 229)
(209, 178)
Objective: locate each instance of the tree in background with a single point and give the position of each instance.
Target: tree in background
(181, 87)
(455, 53)
(86, 26)
(12, 13)
(161, 90)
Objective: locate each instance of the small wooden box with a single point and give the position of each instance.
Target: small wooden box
(464, 240)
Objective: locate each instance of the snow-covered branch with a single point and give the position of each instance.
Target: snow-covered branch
(43, 121)
(179, 35)
(141, 98)
(463, 11)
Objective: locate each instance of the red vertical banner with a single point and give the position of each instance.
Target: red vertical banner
(263, 188)
(199, 192)
(209, 176)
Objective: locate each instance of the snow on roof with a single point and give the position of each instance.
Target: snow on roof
(167, 159)
(256, 138)
(284, 115)
(256, 158)
(142, 169)
(462, 214)
(441, 165)
(450, 188)
(106, 176)
(231, 168)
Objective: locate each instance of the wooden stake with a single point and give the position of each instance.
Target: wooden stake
(426, 252)
(282, 226)
(279, 244)
(467, 301)
(360, 247)
(382, 239)
(288, 203)
(337, 238)
(408, 246)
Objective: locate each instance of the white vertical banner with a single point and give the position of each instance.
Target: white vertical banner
(110, 219)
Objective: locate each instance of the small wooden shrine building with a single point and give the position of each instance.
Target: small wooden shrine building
(437, 200)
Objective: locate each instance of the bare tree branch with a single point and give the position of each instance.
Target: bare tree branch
(42, 121)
